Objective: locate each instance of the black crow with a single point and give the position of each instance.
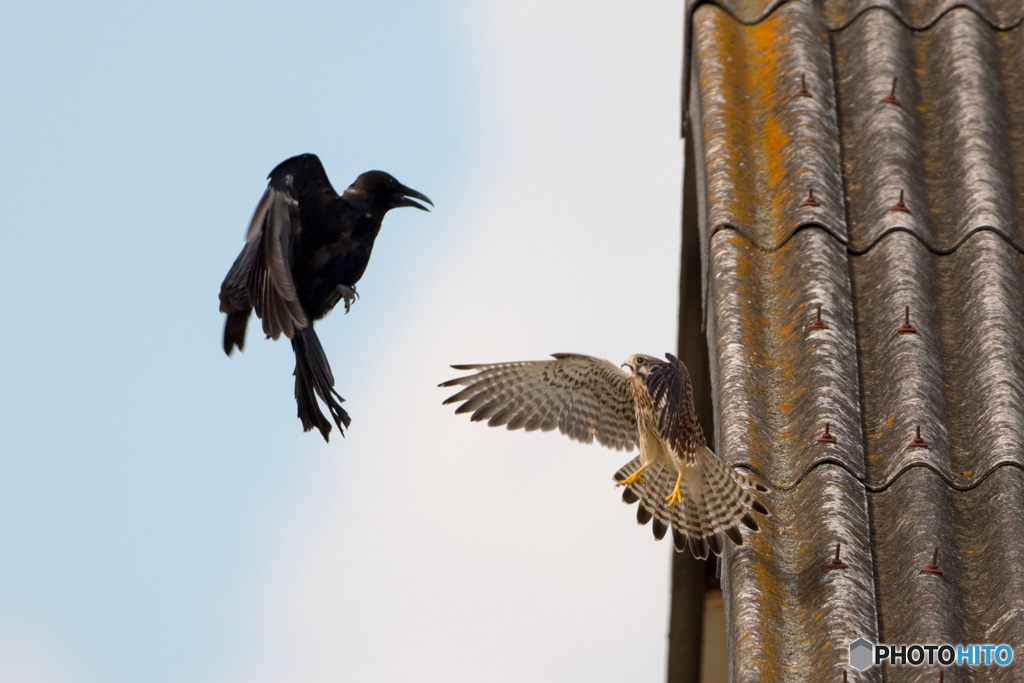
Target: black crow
(305, 251)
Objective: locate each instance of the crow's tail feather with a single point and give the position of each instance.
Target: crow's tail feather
(313, 378)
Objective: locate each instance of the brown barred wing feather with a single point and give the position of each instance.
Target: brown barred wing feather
(585, 398)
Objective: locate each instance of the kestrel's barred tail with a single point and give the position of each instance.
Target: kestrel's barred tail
(650, 491)
(716, 500)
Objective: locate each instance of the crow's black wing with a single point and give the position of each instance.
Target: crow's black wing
(269, 281)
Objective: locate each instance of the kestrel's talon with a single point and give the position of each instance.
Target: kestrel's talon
(633, 478)
(676, 496)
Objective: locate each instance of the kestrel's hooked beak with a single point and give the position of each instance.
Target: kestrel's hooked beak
(628, 365)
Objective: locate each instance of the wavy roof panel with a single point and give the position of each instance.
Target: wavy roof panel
(838, 14)
(782, 380)
(960, 376)
(791, 619)
(975, 536)
(765, 146)
(945, 137)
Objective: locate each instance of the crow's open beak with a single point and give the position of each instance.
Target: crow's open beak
(409, 192)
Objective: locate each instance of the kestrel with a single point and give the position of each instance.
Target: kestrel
(677, 480)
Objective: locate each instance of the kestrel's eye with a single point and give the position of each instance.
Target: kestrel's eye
(639, 361)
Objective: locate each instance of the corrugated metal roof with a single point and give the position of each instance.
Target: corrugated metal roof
(960, 98)
(785, 98)
(961, 376)
(781, 380)
(789, 618)
(837, 14)
(765, 147)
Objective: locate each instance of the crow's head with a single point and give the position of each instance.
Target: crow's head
(379, 191)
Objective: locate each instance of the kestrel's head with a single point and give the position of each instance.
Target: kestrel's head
(639, 363)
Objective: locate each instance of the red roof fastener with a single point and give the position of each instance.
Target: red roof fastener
(933, 568)
(810, 200)
(907, 327)
(818, 323)
(918, 442)
(827, 436)
(836, 563)
(803, 91)
(891, 97)
(899, 205)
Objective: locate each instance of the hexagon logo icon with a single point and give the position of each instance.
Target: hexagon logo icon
(861, 654)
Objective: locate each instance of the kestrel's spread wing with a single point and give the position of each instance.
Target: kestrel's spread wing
(584, 397)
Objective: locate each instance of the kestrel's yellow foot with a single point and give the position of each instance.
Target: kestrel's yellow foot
(633, 478)
(676, 496)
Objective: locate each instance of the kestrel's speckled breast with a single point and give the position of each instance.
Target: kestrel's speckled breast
(652, 446)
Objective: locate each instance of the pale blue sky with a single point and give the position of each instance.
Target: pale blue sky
(162, 515)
